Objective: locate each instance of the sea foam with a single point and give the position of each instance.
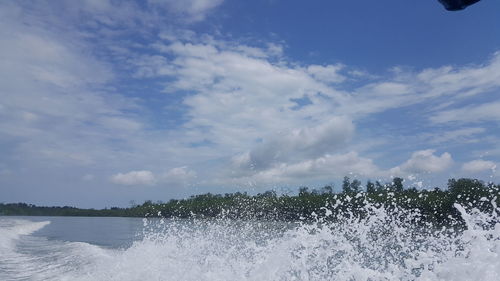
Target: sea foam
(385, 245)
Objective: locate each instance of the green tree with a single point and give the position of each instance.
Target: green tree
(327, 189)
(397, 184)
(466, 189)
(355, 186)
(346, 185)
(370, 187)
(303, 191)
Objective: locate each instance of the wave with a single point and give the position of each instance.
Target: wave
(10, 230)
(25, 257)
(386, 245)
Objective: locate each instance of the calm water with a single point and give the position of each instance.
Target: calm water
(377, 248)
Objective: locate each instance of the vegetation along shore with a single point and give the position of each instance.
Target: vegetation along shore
(434, 206)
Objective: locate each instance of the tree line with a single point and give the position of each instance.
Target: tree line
(434, 206)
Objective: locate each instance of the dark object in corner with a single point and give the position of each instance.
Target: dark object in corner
(456, 5)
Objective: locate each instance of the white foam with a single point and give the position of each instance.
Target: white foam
(378, 247)
(12, 229)
(11, 261)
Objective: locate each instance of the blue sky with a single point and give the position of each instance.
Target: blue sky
(103, 102)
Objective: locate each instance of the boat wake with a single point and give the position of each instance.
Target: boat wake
(384, 245)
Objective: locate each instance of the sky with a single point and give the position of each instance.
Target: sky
(107, 102)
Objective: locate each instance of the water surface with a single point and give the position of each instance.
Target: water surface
(375, 248)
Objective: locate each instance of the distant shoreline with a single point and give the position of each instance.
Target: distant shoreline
(435, 206)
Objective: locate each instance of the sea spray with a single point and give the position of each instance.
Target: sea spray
(376, 242)
(382, 244)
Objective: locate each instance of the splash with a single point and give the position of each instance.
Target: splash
(383, 244)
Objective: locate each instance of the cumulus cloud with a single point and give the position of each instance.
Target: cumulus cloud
(270, 117)
(134, 178)
(259, 96)
(281, 115)
(298, 144)
(323, 168)
(336, 165)
(476, 166)
(178, 175)
(424, 161)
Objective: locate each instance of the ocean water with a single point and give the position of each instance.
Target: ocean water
(379, 247)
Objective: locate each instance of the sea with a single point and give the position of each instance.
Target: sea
(378, 247)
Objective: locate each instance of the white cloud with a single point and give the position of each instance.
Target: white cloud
(459, 135)
(462, 81)
(189, 10)
(120, 123)
(446, 86)
(469, 114)
(179, 176)
(324, 168)
(134, 178)
(56, 106)
(336, 165)
(298, 145)
(239, 98)
(246, 104)
(424, 161)
(239, 81)
(389, 89)
(284, 120)
(476, 166)
(328, 74)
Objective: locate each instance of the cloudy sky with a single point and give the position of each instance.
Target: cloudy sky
(103, 102)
